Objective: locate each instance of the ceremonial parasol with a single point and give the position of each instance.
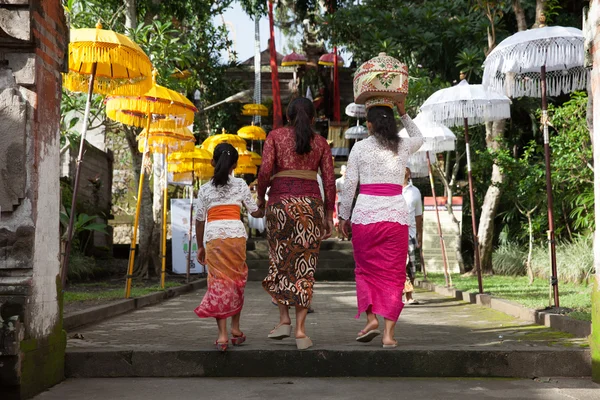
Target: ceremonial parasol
(252, 132)
(189, 161)
(256, 158)
(467, 104)
(328, 60)
(436, 139)
(158, 104)
(356, 110)
(356, 132)
(294, 60)
(255, 109)
(538, 62)
(212, 141)
(164, 142)
(100, 61)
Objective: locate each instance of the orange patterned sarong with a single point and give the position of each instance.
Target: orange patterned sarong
(227, 276)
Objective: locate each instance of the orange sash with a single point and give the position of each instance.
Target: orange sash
(226, 212)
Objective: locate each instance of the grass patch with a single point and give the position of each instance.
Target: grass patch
(578, 297)
(75, 295)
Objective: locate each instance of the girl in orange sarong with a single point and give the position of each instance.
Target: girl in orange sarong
(218, 224)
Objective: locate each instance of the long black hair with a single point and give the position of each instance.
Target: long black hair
(384, 126)
(225, 157)
(300, 113)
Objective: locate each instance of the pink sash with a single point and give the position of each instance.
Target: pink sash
(381, 189)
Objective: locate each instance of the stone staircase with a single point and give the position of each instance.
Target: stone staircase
(336, 261)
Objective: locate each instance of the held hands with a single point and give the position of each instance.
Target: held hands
(201, 255)
(261, 203)
(345, 228)
(328, 229)
(400, 105)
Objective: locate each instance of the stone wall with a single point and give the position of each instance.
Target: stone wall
(33, 43)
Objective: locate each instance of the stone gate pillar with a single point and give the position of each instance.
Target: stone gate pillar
(592, 34)
(33, 43)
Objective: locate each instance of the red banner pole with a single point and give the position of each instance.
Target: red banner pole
(336, 87)
(277, 119)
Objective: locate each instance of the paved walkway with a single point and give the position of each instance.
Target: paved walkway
(322, 388)
(438, 323)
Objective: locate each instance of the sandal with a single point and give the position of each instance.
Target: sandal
(281, 332)
(221, 346)
(390, 346)
(237, 340)
(365, 337)
(304, 343)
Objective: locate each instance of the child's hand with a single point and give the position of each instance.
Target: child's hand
(201, 255)
(259, 213)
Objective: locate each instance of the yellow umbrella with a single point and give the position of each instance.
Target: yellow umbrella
(197, 154)
(255, 110)
(245, 168)
(161, 141)
(113, 63)
(212, 141)
(168, 109)
(256, 158)
(100, 61)
(252, 132)
(197, 164)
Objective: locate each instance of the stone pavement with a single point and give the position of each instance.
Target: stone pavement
(438, 323)
(322, 389)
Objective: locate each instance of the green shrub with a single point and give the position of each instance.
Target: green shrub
(81, 267)
(509, 259)
(575, 260)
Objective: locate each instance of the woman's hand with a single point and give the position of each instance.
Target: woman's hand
(328, 228)
(201, 255)
(261, 203)
(345, 228)
(400, 105)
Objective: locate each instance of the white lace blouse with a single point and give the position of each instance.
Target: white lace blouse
(370, 162)
(236, 192)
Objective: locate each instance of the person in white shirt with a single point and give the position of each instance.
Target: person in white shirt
(412, 196)
(339, 186)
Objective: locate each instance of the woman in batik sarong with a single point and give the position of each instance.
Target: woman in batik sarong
(380, 218)
(297, 217)
(218, 224)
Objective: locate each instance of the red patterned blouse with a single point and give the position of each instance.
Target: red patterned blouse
(279, 154)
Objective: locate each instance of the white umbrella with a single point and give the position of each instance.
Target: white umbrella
(356, 110)
(437, 138)
(467, 104)
(535, 63)
(356, 132)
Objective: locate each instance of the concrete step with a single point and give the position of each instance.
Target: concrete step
(321, 361)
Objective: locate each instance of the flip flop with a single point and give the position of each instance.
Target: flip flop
(413, 302)
(303, 343)
(237, 340)
(390, 346)
(365, 337)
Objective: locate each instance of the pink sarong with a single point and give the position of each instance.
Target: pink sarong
(380, 251)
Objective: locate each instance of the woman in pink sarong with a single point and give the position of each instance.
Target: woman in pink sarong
(380, 218)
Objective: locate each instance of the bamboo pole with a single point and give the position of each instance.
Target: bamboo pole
(163, 254)
(551, 239)
(86, 116)
(473, 219)
(136, 219)
(439, 226)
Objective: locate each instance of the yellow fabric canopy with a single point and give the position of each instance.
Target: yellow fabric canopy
(164, 105)
(256, 158)
(159, 141)
(198, 154)
(212, 141)
(252, 132)
(122, 67)
(255, 110)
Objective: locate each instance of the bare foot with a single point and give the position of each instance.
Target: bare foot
(236, 332)
(373, 324)
(222, 339)
(388, 340)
